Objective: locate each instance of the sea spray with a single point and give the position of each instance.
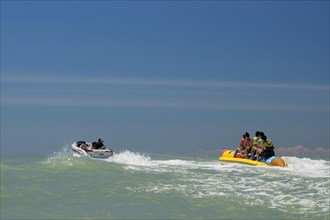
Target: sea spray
(140, 185)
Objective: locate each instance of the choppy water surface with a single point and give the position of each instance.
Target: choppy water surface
(134, 185)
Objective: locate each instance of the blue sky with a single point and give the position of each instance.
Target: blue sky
(164, 76)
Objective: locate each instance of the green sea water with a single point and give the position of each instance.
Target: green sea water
(137, 186)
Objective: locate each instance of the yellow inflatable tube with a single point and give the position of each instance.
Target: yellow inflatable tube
(228, 156)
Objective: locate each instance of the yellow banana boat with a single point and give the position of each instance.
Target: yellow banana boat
(228, 156)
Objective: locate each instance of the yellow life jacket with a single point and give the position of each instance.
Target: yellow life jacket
(255, 141)
(268, 144)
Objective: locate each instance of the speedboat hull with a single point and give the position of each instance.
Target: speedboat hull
(94, 153)
(228, 156)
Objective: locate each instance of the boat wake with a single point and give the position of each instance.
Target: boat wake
(308, 167)
(300, 188)
(304, 167)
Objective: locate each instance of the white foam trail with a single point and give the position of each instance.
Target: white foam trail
(131, 158)
(298, 188)
(141, 160)
(297, 166)
(308, 167)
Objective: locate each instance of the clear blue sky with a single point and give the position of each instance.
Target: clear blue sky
(164, 76)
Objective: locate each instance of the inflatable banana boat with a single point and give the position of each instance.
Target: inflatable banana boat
(228, 156)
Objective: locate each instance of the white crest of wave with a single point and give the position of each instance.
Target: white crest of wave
(64, 157)
(131, 158)
(308, 167)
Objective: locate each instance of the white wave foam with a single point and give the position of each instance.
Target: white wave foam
(300, 187)
(286, 189)
(131, 158)
(297, 166)
(64, 157)
(139, 161)
(308, 167)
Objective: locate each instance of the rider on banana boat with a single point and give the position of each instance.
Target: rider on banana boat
(264, 148)
(245, 145)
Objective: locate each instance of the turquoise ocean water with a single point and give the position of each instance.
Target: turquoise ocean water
(133, 185)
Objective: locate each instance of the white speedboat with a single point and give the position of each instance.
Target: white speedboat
(84, 148)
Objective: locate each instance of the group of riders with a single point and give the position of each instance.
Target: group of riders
(95, 145)
(260, 145)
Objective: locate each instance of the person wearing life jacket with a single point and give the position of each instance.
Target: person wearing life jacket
(255, 143)
(259, 148)
(269, 148)
(266, 148)
(256, 139)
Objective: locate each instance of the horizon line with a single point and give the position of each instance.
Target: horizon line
(161, 82)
